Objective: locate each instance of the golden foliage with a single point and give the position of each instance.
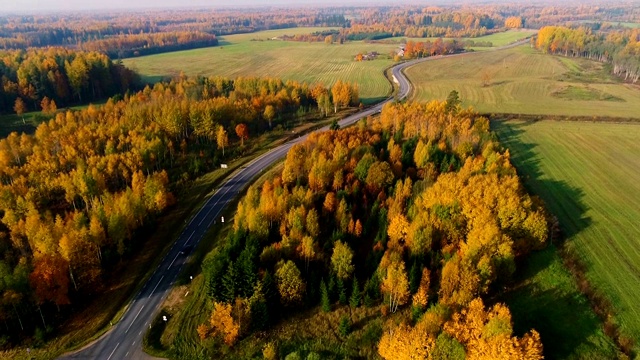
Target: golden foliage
(395, 285)
(405, 343)
(290, 284)
(269, 351)
(222, 323)
(341, 260)
(421, 297)
(487, 334)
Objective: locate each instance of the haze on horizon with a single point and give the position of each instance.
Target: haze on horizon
(39, 6)
(79, 5)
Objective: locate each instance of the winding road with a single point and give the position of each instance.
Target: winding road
(124, 339)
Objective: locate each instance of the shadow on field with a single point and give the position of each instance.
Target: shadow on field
(372, 100)
(544, 296)
(562, 199)
(552, 306)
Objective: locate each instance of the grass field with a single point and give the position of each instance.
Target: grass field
(256, 55)
(497, 39)
(12, 122)
(524, 81)
(588, 175)
(633, 25)
(547, 299)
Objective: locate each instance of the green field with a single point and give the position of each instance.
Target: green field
(588, 175)
(256, 55)
(546, 298)
(524, 81)
(12, 122)
(28, 122)
(497, 39)
(633, 25)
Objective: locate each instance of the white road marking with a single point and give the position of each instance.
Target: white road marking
(189, 239)
(114, 350)
(174, 259)
(134, 319)
(154, 289)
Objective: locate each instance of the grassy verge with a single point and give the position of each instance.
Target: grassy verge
(587, 174)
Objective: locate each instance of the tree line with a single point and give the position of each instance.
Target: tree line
(59, 75)
(438, 47)
(123, 46)
(619, 48)
(418, 209)
(76, 29)
(357, 23)
(76, 195)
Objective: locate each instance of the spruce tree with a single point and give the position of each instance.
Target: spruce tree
(332, 287)
(345, 326)
(259, 315)
(324, 297)
(354, 301)
(229, 283)
(342, 292)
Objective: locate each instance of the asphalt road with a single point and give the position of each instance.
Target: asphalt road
(124, 340)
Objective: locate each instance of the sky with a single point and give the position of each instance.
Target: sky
(67, 5)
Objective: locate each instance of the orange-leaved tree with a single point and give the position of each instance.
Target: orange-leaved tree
(243, 132)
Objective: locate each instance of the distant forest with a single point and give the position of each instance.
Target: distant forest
(121, 35)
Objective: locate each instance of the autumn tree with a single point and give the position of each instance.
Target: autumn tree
(243, 133)
(290, 284)
(488, 333)
(341, 260)
(379, 176)
(459, 283)
(222, 138)
(19, 107)
(307, 249)
(48, 106)
(395, 285)
(222, 323)
(398, 229)
(269, 114)
(50, 280)
(78, 74)
(421, 297)
(294, 164)
(324, 103)
(513, 22)
(343, 94)
(404, 343)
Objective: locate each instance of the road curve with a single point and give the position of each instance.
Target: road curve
(124, 340)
